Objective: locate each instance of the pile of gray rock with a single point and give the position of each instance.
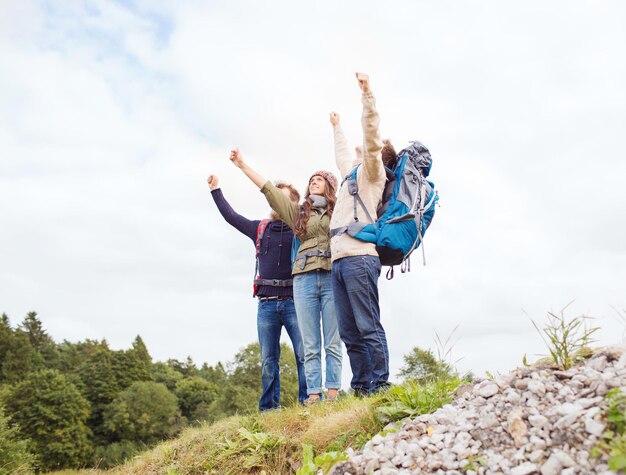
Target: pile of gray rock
(531, 421)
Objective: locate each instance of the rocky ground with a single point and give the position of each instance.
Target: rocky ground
(531, 421)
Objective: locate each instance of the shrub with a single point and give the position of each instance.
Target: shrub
(15, 456)
(145, 411)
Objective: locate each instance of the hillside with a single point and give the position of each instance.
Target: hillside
(540, 419)
(278, 442)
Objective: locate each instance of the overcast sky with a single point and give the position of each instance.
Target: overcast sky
(112, 115)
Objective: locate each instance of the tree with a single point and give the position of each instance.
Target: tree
(145, 411)
(40, 341)
(422, 366)
(52, 413)
(214, 374)
(72, 355)
(15, 456)
(164, 373)
(129, 368)
(99, 386)
(143, 357)
(242, 388)
(17, 355)
(186, 368)
(195, 395)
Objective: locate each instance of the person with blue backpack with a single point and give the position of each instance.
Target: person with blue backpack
(312, 286)
(384, 207)
(356, 265)
(273, 286)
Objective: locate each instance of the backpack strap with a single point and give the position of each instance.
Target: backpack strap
(353, 189)
(260, 230)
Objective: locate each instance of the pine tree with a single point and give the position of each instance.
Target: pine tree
(33, 327)
(140, 349)
(17, 356)
(40, 341)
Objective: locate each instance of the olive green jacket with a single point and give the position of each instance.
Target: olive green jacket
(316, 236)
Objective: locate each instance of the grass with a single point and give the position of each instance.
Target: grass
(567, 340)
(292, 440)
(613, 442)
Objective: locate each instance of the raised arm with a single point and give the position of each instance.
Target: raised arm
(237, 158)
(240, 223)
(281, 203)
(372, 144)
(284, 207)
(342, 152)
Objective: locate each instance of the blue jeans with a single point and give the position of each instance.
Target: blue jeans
(355, 284)
(313, 295)
(272, 315)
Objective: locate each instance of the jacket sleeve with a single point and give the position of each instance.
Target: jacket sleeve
(241, 224)
(372, 144)
(278, 201)
(342, 152)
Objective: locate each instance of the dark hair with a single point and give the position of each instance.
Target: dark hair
(389, 154)
(305, 208)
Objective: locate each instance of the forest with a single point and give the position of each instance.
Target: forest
(83, 404)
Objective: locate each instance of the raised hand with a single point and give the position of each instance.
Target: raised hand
(237, 158)
(364, 81)
(213, 182)
(334, 119)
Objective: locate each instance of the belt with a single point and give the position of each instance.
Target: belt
(275, 297)
(274, 282)
(305, 255)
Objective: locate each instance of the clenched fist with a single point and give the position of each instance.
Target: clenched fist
(213, 182)
(237, 158)
(364, 81)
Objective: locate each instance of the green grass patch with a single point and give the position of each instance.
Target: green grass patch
(296, 439)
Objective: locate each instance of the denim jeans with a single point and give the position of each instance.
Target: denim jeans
(313, 295)
(272, 315)
(355, 285)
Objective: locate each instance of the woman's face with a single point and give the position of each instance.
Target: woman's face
(317, 185)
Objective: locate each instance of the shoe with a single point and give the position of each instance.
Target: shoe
(360, 393)
(332, 395)
(312, 399)
(380, 388)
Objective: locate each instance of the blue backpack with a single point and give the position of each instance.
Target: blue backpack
(406, 210)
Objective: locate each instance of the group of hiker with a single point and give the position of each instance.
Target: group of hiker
(322, 285)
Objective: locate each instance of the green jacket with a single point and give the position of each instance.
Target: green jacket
(316, 236)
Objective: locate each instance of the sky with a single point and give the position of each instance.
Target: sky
(113, 114)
